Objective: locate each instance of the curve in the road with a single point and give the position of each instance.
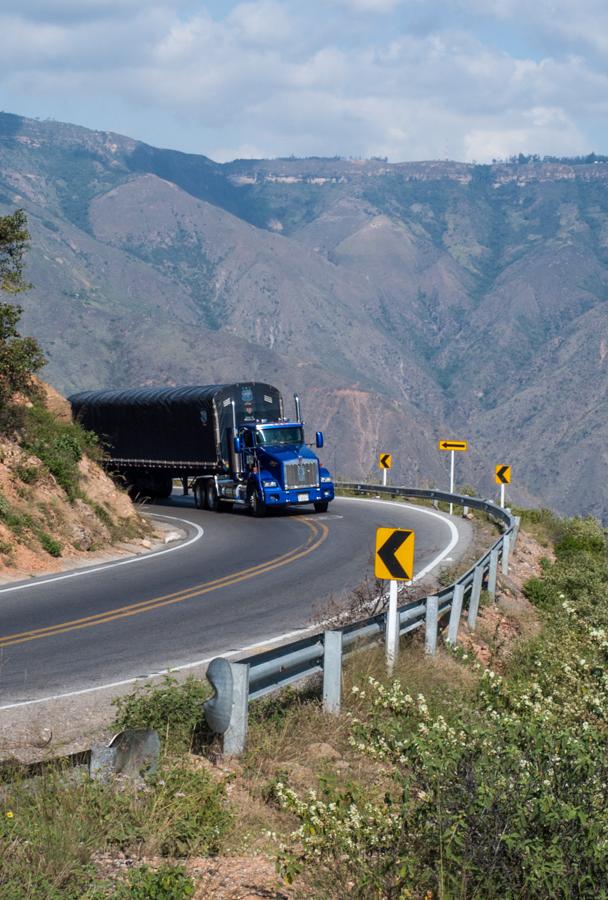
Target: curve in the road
(318, 534)
(104, 567)
(245, 581)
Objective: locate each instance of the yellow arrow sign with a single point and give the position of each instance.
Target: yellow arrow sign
(385, 461)
(503, 475)
(447, 444)
(394, 554)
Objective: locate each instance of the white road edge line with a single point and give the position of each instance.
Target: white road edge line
(103, 567)
(428, 512)
(277, 639)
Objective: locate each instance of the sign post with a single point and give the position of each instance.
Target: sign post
(385, 462)
(502, 475)
(394, 561)
(453, 447)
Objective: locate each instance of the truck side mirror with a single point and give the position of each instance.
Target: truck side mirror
(238, 444)
(319, 439)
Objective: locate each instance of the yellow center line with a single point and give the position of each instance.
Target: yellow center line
(319, 532)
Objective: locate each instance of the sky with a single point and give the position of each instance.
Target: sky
(470, 80)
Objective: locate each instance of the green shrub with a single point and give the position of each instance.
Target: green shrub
(6, 548)
(173, 709)
(59, 445)
(580, 535)
(188, 813)
(49, 543)
(55, 825)
(19, 523)
(500, 797)
(165, 883)
(28, 474)
(51, 827)
(103, 515)
(543, 523)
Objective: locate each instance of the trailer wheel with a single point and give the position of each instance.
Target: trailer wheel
(321, 506)
(213, 501)
(257, 506)
(163, 487)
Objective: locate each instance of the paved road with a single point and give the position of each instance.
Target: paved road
(237, 581)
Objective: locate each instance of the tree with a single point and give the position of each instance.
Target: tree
(14, 238)
(20, 357)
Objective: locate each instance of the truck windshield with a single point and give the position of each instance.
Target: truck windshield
(269, 437)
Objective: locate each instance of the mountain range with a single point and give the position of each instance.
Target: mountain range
(405, 302)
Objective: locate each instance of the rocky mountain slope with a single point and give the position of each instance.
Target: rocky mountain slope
(55, 515)
(404, 302)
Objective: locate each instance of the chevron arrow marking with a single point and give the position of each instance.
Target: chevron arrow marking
(394, 554)
(453, 445)
(503, 474)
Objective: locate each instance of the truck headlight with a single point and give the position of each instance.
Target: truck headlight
(270, 484)
(326, 479)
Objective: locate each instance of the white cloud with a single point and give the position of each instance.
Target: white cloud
(280, 77)
(371, 6)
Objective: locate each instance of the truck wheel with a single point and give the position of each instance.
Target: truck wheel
(321, 505)
(257, 506)
(163, 487)
(214, 504)
(200, 496)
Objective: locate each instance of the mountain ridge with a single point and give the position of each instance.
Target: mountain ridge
(425, 298)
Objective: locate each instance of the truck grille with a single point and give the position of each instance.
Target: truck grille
(303, 474)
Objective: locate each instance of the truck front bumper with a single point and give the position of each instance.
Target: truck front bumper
(279, 497)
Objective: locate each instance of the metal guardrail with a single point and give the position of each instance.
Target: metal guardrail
(321, 653)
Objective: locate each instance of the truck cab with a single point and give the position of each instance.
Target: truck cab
(279, 468)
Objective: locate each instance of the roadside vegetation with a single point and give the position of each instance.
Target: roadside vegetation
(45, 505)
(455, 778)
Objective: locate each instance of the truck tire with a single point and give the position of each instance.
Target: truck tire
(146, 488)
(214, 504)
(163, 487)
(200, 495)
(321, 506)
(257, 506)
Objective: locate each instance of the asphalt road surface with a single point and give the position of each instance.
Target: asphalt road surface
(236, 581)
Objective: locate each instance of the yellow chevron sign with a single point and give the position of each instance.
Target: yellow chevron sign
(394, 558)
(385, 461)
(503, 475)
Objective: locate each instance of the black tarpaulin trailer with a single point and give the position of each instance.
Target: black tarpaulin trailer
(182, 430)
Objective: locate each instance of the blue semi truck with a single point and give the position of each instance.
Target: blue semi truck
(229, 443)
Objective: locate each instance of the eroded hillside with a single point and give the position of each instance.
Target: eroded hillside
(57, 506)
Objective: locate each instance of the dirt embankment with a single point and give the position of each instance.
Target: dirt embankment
(42, 527)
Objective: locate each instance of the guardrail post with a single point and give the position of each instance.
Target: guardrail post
(332, 671)
(506, 549)
(516, 528)
(475, 597)
(392, 627)
(431, 624)
(235, 737)
(455, 614)
(465, 511)
(493, 573)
